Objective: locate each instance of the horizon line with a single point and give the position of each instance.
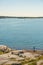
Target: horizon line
(20, 16)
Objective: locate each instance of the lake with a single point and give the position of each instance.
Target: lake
(21, 33)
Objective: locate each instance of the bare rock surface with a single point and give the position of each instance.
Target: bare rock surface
(40, 62)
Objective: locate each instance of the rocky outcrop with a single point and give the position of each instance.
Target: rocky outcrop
(17, 52)
(13, 63)
(4, 48)
(40, 62)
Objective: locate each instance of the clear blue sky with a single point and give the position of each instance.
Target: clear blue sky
(21, 7)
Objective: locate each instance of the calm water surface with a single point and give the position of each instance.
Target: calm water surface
(21, 33)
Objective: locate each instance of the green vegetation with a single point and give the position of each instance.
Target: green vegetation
(12, 59)
(41, 57)
(18, 17)
(1, 52)
(32, 63)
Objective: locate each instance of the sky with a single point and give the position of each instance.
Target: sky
(32, 8)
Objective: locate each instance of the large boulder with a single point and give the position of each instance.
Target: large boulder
(4, 48)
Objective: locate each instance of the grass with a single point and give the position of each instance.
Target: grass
(41, 57)
(1, 52)
(32, 63)
(12, 59)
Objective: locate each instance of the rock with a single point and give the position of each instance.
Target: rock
(20, 59)
(4, 48)
(13, 63)
(37, 55)
(28, 55)
(40, 62)
(17, 52)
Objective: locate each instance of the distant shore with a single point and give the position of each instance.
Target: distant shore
(20, 17)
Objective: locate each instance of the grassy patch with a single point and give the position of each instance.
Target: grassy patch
(32, 63)
(12, 59)
(1, 52)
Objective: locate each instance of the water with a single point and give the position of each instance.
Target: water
(21, 33)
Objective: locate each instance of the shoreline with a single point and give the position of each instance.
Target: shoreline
(10, 56)
(26, 50)
(29, 49)
(3, 17)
